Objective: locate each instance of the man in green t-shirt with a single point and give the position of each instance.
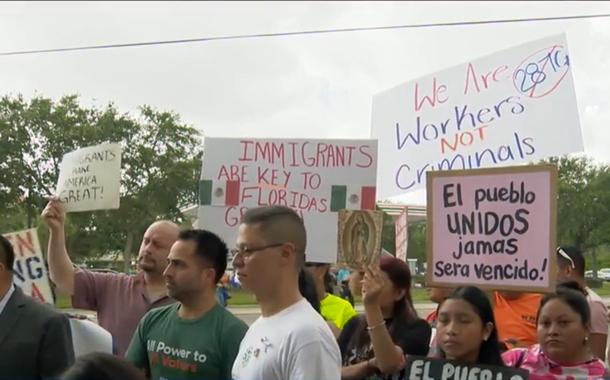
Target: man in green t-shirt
(195, 338)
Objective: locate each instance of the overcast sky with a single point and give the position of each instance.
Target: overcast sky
(311, 86)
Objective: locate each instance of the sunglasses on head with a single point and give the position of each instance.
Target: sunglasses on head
(565, 255)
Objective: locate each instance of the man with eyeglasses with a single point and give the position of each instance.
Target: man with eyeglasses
(195, 338)
(571, 267)
(290, 340)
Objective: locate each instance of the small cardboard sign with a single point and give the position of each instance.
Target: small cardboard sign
(421, 368)
(359, 237)
(29, 269)
(493, 228)
(90, 178)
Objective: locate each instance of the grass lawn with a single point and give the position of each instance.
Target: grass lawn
(604, 291)
(243, 298)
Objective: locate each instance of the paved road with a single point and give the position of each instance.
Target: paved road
(249, 314)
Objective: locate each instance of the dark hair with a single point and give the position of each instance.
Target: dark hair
(489, 352)
(102, 366)
(7, 253)
(403, 312)
(399, 273)
(209, 247)
(329, 280)
(279, 224)
(573, 295)
(307, 287)
(577, 258)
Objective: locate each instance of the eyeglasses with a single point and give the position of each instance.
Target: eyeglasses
(565, 255)
(247, 252)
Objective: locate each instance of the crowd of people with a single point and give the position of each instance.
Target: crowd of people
(167, 323)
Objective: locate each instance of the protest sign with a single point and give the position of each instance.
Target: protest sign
(499, 110)
(90, 178)
(493, 228)
(88, 337)
(402, 227)
(359, 237)
(314, 177)
(29, 269)
(421, 368)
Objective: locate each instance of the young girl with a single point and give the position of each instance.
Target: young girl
(373, 345)
(466, 330)
(562, 352)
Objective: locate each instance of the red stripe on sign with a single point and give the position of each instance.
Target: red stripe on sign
(232, 193)
(367, 198)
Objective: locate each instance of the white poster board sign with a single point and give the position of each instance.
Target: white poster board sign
(513, 106)
(29, 269)
(88, 337)
(90, 178)
(314, 177)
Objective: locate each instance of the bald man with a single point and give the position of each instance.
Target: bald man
(120, 300)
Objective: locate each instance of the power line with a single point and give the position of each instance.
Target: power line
(307, 32)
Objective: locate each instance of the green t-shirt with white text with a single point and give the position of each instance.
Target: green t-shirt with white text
(171, 348)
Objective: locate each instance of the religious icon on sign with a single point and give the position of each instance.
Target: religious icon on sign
(359, 237)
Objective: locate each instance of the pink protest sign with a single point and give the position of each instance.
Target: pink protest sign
(493, 228)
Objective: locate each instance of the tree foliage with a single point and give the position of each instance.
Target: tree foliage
(160, 167)
(583, 213)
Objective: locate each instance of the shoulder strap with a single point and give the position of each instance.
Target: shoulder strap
(520, 359)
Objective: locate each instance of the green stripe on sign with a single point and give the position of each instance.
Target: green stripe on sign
(338, 198)
(205, 192)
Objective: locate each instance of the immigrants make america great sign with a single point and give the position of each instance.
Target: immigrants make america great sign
(513, 106)
(317, 178)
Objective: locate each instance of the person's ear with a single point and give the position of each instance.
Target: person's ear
(399, 293)
(487, 330)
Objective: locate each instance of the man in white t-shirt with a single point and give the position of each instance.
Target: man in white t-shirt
(290, 340)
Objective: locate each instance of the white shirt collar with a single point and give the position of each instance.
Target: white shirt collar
(6, 297)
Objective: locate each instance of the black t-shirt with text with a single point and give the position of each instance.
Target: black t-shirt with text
(413, 337)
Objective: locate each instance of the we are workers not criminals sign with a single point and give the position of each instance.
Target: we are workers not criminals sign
(512, 106)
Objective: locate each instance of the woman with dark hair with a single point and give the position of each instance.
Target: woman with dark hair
(102, 366)
(562, 351)
(307, 287)
(466, 330)
(373, 345)
(334, 309)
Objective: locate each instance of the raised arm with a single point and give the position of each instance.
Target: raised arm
(60, 266)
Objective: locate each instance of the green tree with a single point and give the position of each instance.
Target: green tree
(583, 213)
(416, 248)
(160, 167)
(388, 233)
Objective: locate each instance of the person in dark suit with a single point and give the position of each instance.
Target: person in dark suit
(35, 340)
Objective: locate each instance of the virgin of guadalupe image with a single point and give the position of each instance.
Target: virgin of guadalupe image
(359, 241)
(360, 237)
